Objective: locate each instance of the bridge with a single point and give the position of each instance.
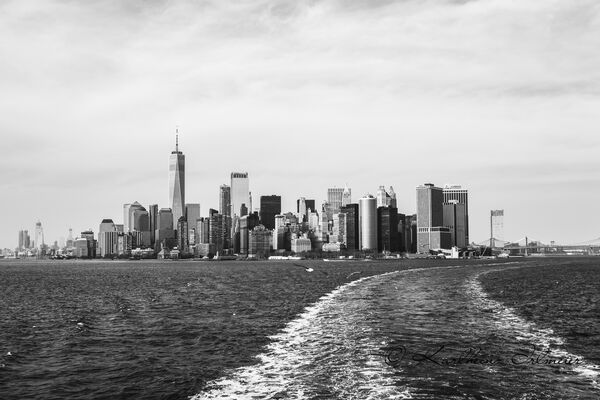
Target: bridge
(528, 246)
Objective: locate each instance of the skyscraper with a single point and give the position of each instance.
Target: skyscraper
(39, 236)
(367, 216)
(496, 227)
(431, 234)
(177, 183)
(240, 192)
(164, 228)
(153, 220)
(352, 226)
(455, 219)
(107, 238)
(461, 196)
(334, 200)
(346, 196)
(388, 237)
(225, 200)
(192, 213)
(270, 206)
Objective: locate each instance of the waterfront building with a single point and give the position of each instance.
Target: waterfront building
(332, 247)
(216, 235)
(182, 235)
(81, 248)
(388, 237)
(338, 234)
(192, 214)
(313, 220)
(39, 236)
(203, 231)
(107, 238)
(259, 242)
(496, 228)
(270, 206)
(455, 218)
(90, 242)
(165, 233)
(152, 221)
(352, 226)
(461, 196)
(177, 183)
(300, 244)
(431, 232)
(247, 223)
(239, 193)
(24, 240)
(368, 222)
(279, 233)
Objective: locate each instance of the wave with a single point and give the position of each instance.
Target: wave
(328, 351)
(506, 319)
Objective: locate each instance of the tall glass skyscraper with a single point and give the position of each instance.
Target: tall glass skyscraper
(239, 192)
(177, 183)
(367, 215)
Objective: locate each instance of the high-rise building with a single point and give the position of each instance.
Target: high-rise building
(455, 218)
(107, 238)
(128, 212)
(216, 236)
(165, 234)
(259, 242)
(393, 201)
(70, 239)
(177, 183)
(192, 213)
(39, 236)
(496, 227)
(270, 206)
(339, 229)
(240, 192)
(247, 223)
(24, 240)
(153, 220)
(225, 200)
(182, 235)
(431, 232)
(388, 237)
(346, 196)
(90, 242)
(461, 196)
(367, 216)
(352, 226)
(335, 197)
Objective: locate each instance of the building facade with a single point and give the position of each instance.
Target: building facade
(177, 183)
(368, 223)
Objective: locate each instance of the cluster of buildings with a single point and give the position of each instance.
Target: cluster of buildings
(372, 224)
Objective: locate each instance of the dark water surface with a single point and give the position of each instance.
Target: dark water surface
(256, 330)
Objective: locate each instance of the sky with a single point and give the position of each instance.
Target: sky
(500, 96)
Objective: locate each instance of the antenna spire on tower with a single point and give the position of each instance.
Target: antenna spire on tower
(177, 138)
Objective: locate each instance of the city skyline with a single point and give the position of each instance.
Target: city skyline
(500, 97)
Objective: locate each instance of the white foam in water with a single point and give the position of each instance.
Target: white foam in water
(325, 352)
(526, 331)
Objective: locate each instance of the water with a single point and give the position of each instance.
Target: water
(233, 330)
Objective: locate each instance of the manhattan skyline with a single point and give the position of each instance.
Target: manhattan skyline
(499, 97)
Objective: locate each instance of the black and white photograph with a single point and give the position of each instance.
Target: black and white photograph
(299, 199)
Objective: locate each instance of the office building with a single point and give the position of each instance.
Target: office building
(152, 220)
(165, 234)
(431, 233)
(107, 238)
(239, 193)
(216, 235)
(177, 183)
(496, 228)
(367, 215)
(270, 206)
(259, 242)
(460, 196)
(352, 226)
(192, 214)
(182, 235)
(455, 218)
(39, 236)
(91, 243)
(388, 237)
(334, 199)
(346, 196)
(301, 244)
(247, 223)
